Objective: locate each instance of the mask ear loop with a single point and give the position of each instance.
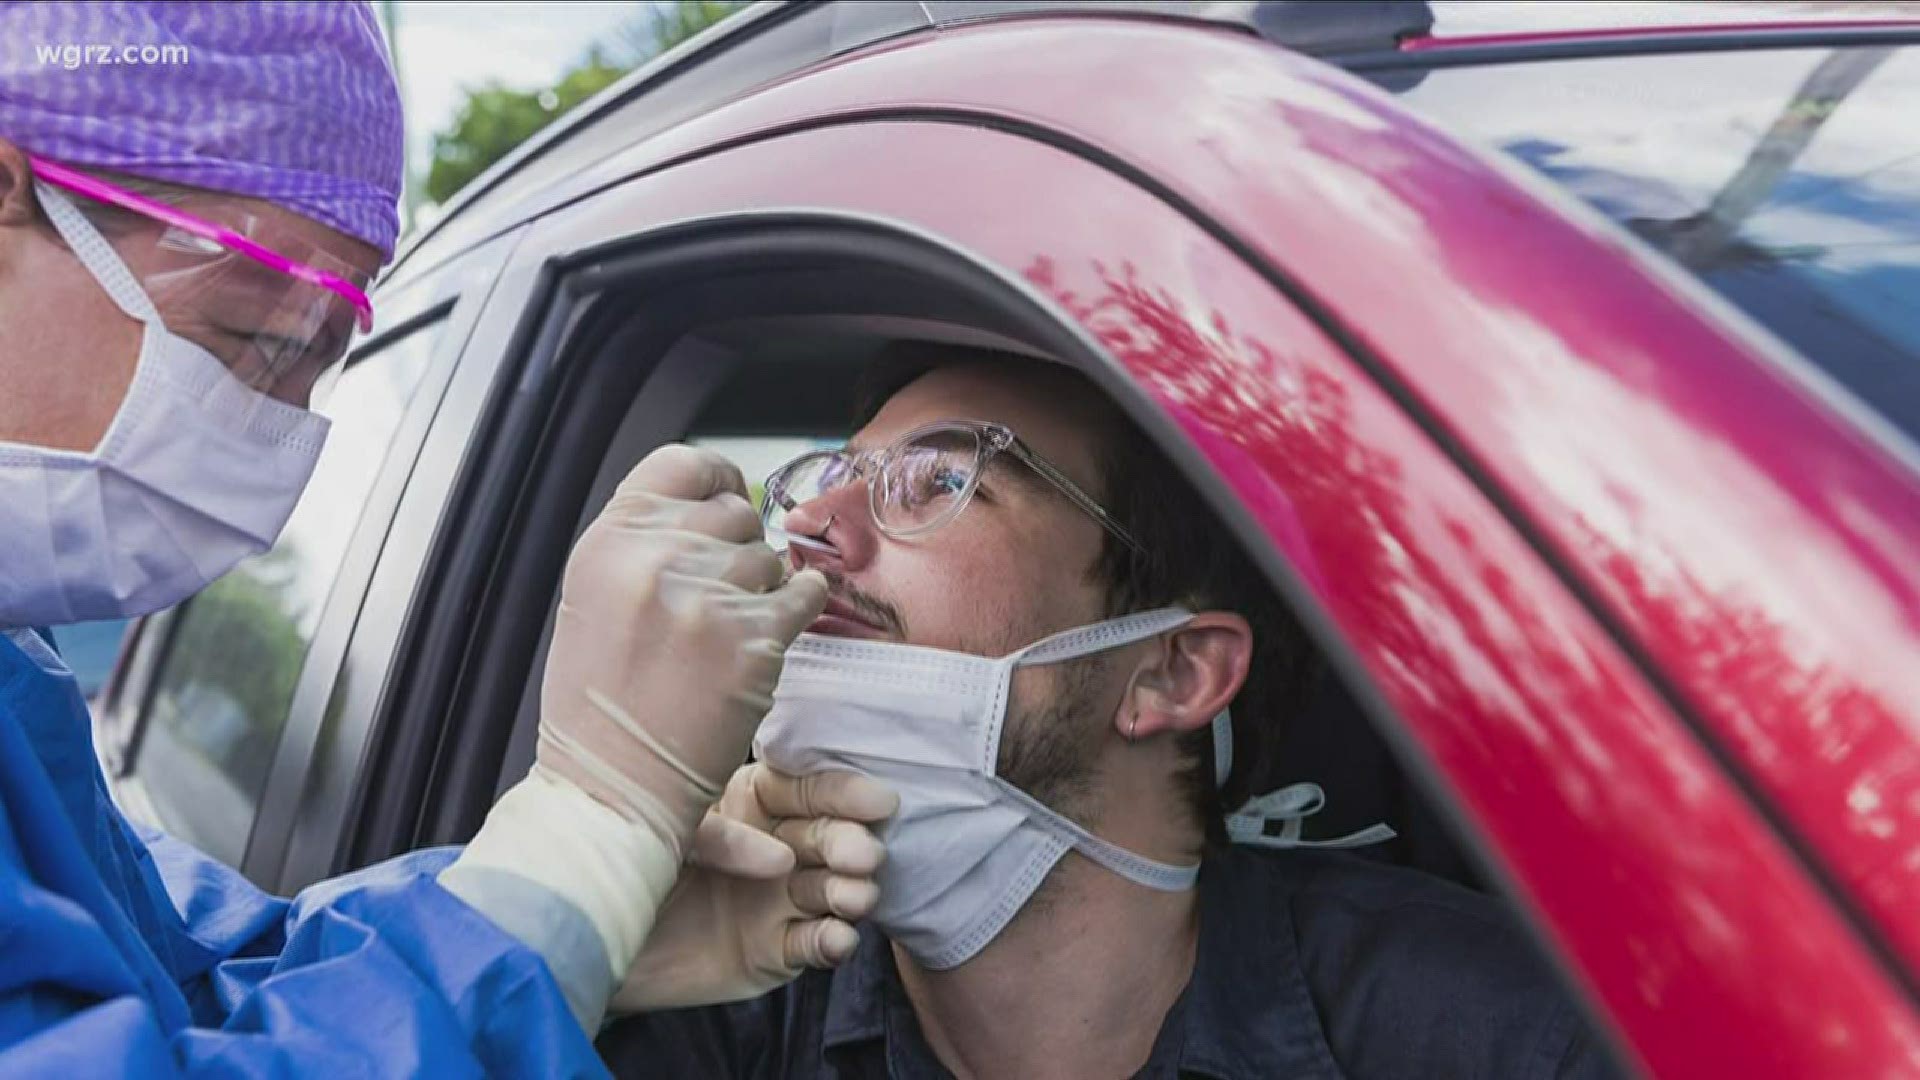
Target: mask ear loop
(1099, 637)
(1086, 640)
(1222, 748)
(96, 254)
(1111, 634)
(1290, 805)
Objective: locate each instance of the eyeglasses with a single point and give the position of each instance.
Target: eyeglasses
(294, 317)
(919, 482)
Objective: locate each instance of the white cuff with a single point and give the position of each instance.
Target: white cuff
(550, 855)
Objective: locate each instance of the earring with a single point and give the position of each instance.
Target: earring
(1131, 724)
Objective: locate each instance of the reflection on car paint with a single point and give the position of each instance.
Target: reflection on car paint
(1497, 681)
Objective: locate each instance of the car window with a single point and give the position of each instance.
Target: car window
(221, 697)
(1786, 180)
(759, 455)
(90, 650)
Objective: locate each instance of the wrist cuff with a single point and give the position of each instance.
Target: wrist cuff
(562, 871)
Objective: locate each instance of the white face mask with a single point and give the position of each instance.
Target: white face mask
(197, 472)
(967, 849)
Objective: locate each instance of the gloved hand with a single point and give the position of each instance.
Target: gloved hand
(672, 625)
(751, 911)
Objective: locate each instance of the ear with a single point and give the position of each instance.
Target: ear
(1193, 674)
(18, 206)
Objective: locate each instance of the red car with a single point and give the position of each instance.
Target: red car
(1566, 379)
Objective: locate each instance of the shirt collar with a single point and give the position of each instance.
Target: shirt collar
(1246, 1013)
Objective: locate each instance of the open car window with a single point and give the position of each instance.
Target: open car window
(758, 455)
(790, 390)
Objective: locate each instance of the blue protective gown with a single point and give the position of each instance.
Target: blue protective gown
(127, 953)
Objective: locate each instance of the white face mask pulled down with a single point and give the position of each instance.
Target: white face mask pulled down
(196, 472)
(967, 849)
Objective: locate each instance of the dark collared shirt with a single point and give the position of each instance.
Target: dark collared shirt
(1310, 964)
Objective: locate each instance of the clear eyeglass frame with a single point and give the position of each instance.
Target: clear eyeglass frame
(989, 440)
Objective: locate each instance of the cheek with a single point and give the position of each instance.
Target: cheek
(952, 592)
(106, 346)
(988, 591)
(71, 353)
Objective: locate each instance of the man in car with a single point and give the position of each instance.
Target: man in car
(1040, 638)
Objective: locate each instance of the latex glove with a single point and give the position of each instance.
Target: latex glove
(752, 911)
(672, 626)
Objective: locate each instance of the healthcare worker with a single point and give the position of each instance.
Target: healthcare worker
(183, 250)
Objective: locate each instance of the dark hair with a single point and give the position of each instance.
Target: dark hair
(1189, 559)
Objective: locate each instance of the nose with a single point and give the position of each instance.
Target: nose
(811, 518)
(840, 519)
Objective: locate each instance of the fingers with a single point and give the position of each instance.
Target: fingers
(685, 472)
(833, 794)
(727, 846)
(820, 943)
(726, 516)
(756, 569)
(752, 568)
(823, 892)
(797, 603)
(842, 846)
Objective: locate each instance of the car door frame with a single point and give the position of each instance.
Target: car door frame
(294, 805)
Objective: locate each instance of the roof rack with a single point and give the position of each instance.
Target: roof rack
(1340, 27)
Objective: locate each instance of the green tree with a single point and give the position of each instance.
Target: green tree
(496, 119)
(662, 26)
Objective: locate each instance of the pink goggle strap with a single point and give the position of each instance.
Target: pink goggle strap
(93, 188)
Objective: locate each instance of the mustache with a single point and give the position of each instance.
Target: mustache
(870, 607)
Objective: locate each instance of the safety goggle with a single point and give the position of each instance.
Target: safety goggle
(275, 320)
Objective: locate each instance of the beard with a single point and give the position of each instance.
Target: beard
(1051, 750)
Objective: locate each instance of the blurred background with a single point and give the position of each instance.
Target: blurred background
(478, 79)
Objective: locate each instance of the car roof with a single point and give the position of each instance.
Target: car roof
(772, 39)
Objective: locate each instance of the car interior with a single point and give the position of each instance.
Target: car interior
(762, 383)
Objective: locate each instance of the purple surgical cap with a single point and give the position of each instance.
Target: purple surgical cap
(294, 103)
